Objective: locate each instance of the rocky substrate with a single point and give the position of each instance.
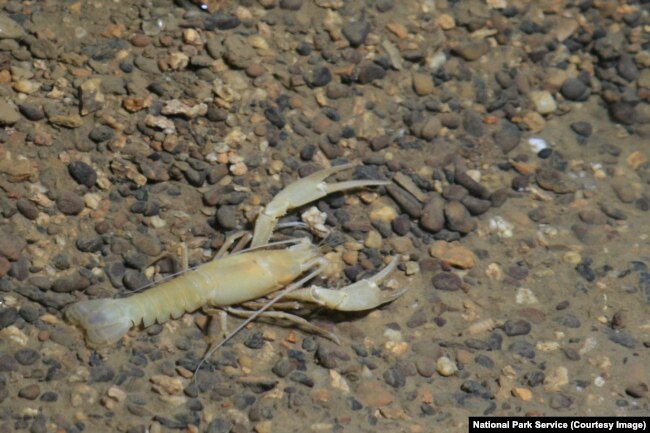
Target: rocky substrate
(513, 134)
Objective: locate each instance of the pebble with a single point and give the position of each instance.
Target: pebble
(543, 101)
(589, 234)
(227, 217)
(10, 29)
(582, 128)
(218, 425)
(470, 184)
(275, 116)
(31, 112)
(447, 281)
(27, 209)
(82, 173)
(221, 21)
(255, 341)
(515, 327)
(453, 253)
(8, 316)
(556, 379)
(627, 68)
(401, 225)
(406, 201)
(8, 363)
(30, 392)
(321, 76)
(70, 203)
(433, 217)
(101, 373)
(395, 377)
(445, 366)
(623, 112)
(237, 52)
(291, 5)
(370, 72)
(560, 401)
(147, 244)
(471, 50)
(166, 385)
(423, 84)
(575, 90)
(301, 378)
(637, 390)
(374, 394)
(476, 206)
(70, 283)
(473, 123)
(356, 32)
(508, 136)
(418, 318)
(8, 113)
(373, 240)
(523, 349)
(379, 143)
(568, 320)
(621, 338)
(458, 217)
(26, 356)
(283, 367)
(101, 133)
(425, 366)
(553, 180)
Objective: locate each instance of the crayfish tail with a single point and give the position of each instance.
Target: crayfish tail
(104, 320)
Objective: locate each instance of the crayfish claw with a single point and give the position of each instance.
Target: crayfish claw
(360, 296)
(301, 192)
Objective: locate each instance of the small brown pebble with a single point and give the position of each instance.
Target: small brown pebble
(70, 203)
(637, 390)
(140, 40)
(380, 142)
(471, 50)
(423, 84)
(433, 217)
(30, 392)
(255, 70)
(618, 320)
(459, 218)
(553, 180)
(374, 394)
(624, 192)
(11, 245)
(27, 209)
(453, 253)
(425, 366)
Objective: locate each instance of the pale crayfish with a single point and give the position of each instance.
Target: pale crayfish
(242, 276)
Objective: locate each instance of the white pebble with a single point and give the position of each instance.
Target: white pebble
(501, 227)
(445, 366)
(393, 334)
(599, 381)
(543, 101)
(238, 169)
(537, 144)
(525, 297)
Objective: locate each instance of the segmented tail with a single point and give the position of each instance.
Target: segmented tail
(104, 320)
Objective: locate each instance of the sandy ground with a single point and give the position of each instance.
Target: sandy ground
(514, 134)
